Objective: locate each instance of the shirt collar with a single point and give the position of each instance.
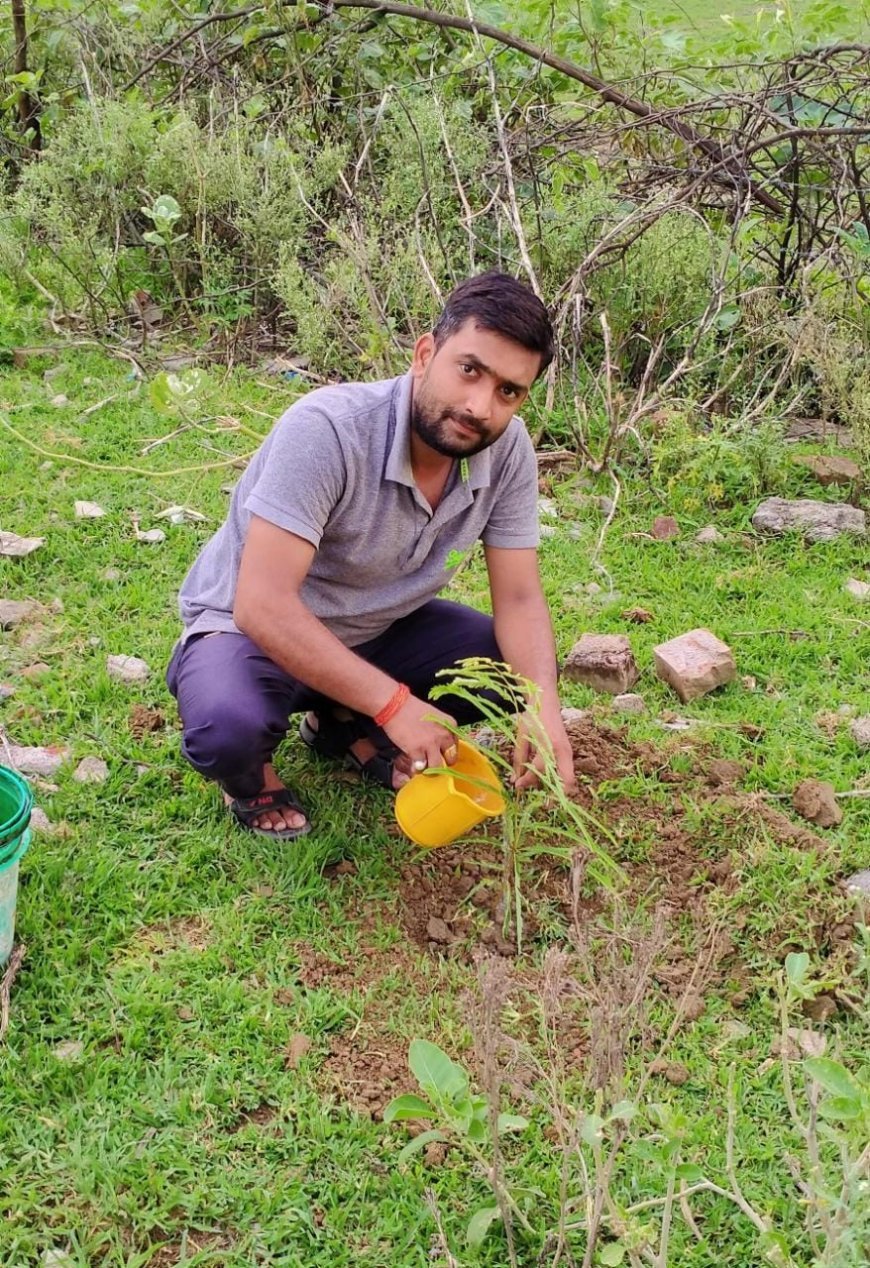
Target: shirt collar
(398, 465)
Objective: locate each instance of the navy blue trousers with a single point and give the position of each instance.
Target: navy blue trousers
(235, 703)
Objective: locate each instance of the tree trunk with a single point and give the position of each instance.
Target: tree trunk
(28, 107)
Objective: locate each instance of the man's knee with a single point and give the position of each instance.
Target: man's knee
(235, 736)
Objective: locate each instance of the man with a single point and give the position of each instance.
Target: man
(319, 591)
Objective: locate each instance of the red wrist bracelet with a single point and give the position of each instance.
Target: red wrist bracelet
(393, 705)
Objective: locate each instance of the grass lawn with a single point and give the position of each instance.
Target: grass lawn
(207, 1026)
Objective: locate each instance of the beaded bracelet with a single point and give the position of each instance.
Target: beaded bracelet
(393, 705)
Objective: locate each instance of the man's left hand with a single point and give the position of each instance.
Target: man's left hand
(541, 737)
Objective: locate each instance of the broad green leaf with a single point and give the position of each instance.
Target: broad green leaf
(591, 1131)
(434, 1070)
(154, 238)
(611, 1255)
(690, 1173)
(833, 1077)
(419, 1142)
(479, 1225)
(840, 1108)
(512, 1123)
(622, 1111)
(478, 1131)
(407, 1106)
(166, 208)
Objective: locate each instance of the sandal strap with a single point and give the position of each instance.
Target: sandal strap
(247, 809)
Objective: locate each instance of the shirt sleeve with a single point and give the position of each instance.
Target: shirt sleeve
(303, 475)
(513, 521)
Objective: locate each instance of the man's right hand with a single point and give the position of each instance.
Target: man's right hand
(421, 732)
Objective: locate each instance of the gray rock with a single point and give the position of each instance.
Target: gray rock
(605, 504)
(39, 820)
(818, 521)
(14, 611)
(859, 590)
(570, 715)
(60, 400)
(37, 761)
(127, 668)
(88, 511)
(859, 882)
(860, 730)
(112, 574)
(548, 530)
(708, 535)
(91, 770)
(628, 702)
(6, 690)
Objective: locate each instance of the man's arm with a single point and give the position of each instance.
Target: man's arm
(269, 609)
(524, 634)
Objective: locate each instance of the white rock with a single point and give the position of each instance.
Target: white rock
(859, 590)
(54, 1258)
(37, 761)
(709, 534)
(88, 511)
(628, 702)
(127, 668)
(71, 1050)
(546, 506)
(13, 545)
(860, 730)
(112, 574)
(91, 770)
(859, 882)
(570, 715)
(547, 530)
(14, 611)
(59, 401)
(151, 536)
(694, 663)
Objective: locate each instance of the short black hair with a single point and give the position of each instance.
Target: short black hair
(498, 302)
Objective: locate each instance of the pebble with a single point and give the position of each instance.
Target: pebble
(91, 770)
(60, 400)
(37, 761)
(860, 731)
(708, 535)
(859, 590)
(127, 668)
(859, 882)
(629, 702)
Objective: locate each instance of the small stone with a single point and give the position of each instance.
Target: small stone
(860, 731)
(127, 668)
(88, 511)
(39, 820)
(546, 506)
(438, 931)
(60, 400)
(637, 616)
(859, 590)
(665, 528)
(36, 670)
(151, 536)
(14, 611)
(572, 716)
(16, 547)
(859, 882)
(548, 530)
(628, 702)
(36, 760)
(71, 1050)
(605, 505)
(693, 1007)
(748, 682)
(112, 574)
(6, 690)
(722, 772)
(603, 662)
(54, 1258)
(91, 770)
(694, 663)
(818, 521)
(829, 469)
(815, 801)
(708, 535)
(592, 587)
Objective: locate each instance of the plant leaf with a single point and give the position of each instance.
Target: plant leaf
(479, 1225)
(434, 1070)
(612, 1254)
(511, 1123)
(419, 1142)
(407, 1106)
(840, 1108)
(796, 965)
(833, 1077)
(690, 1173)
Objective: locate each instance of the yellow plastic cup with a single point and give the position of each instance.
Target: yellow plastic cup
(434, 807)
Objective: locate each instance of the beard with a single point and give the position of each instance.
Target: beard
(432, 425)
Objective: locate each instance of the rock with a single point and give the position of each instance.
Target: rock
(605, 505)
(6, 690)
(296, 1050)
(91, 770)
(859, 882)
(435, 1153)
(673, 1071)
(694, 663)
(88, 511)
(71, 1050)
(593, 588)
(60, 400)
(570, 716)
(859, 590)
(604, 662)
(151, 536)
(437, 930)
(14, 611)
(665, 528)
(546, 506)
(708, 535)
(112, 574)
(127, 668)
(722, 772)
(814, 800)
(828, 469)
(548, 530)
(39, 820)
(36, 670)
(37, 761)
(860, 731)
(637, 616)
(16, 547)
(628, 702)
(818, 521)
(693, 1006)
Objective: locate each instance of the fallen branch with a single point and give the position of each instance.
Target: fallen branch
(9, 977)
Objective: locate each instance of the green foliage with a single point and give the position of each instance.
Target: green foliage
(729, 466)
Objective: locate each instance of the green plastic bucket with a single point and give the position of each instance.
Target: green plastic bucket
(16, 803)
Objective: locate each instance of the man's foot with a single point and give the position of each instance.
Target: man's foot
(279, 818)
(362, 752)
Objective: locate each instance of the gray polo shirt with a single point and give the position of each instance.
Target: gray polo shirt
(336, 471)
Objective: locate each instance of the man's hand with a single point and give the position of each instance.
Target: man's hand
(539, 737)
(421, 732)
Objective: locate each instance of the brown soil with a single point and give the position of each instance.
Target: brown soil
(143, 720)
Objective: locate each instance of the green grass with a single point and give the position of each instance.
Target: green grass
(173, 949)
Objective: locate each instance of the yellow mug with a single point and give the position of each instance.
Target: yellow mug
(435, 807)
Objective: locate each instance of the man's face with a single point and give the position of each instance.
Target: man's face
(466, 392)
